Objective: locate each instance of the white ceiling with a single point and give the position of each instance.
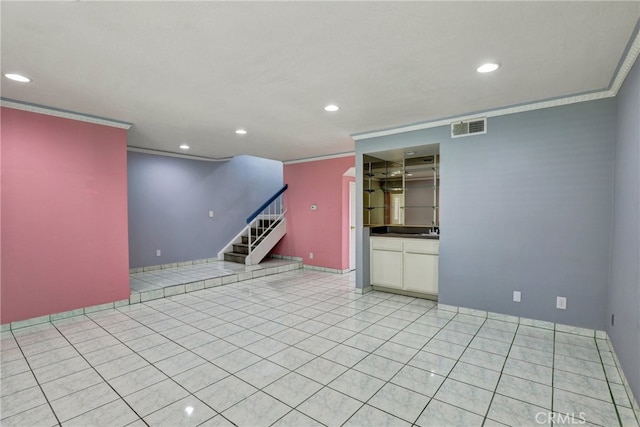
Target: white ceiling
(194, 72)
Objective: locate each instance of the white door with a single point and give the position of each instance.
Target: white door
(352, 226)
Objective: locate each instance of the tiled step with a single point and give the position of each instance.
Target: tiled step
(156, 289)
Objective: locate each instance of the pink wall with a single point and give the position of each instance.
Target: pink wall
(325, 232)
(64, 215)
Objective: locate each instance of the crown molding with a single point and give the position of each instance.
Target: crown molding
(627, 64)
(33, 108)
(317, 158)
(178, 155)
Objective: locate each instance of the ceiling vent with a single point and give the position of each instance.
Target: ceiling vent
(469, 127)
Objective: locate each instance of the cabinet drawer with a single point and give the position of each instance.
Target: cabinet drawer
(422, 246)
(386, 244)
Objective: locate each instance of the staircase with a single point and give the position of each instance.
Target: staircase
(240, 251)
(265, 227)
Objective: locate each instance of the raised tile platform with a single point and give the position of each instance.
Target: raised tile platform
(173, 279)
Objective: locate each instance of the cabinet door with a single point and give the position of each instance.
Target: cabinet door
(386, 268)
(421, 273)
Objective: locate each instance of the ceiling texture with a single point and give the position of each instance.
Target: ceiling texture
(194, 72)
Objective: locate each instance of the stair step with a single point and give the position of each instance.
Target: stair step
(266, 223)
(258, 230)
(245, 240)
(263, 224)
(235, 257)
(241, 248)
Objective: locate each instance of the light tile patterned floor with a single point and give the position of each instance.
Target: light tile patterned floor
(301, 349)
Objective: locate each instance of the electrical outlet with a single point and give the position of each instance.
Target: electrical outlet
(517, 296)
(210, 214)
(561, 303)
(310, 255)
(158, 253)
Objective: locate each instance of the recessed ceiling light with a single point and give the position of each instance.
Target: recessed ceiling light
(17, 77)
(331, 108)
(487, 68)
(241, 132)
(184, 146)
(410, 153)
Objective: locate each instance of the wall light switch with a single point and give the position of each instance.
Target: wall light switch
(561, 303)
(210, 214)
(517, 296)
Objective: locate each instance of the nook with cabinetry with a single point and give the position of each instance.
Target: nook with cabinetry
(401, 195)
(405, 264)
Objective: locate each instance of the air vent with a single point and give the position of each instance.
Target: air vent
(468, 127)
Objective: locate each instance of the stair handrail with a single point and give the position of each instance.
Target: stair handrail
(273, 207)
(257, 212)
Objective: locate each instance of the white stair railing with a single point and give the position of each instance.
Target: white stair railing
(265, 219)
(265, 227)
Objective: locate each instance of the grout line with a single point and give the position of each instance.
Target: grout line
(446, 377)
(495, 391)
(37, 381)
(100, 375)
(606, 377)
(133, 319)
(385, 382)
(151, 364)
(297, 291)
(239, 347)
(290, 371)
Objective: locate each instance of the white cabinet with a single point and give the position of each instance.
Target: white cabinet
(386, 262)
(407, 264)
(421, 273)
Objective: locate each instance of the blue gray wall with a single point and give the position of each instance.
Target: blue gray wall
(526, 207)
(624, 292)
(170, 199)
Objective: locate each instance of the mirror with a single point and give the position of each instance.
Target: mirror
(402, 187)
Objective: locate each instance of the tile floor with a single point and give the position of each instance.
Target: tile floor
(301, 348)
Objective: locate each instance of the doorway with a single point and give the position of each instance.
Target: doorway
(352, 226)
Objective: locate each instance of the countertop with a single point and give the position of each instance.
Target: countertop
(407, 235)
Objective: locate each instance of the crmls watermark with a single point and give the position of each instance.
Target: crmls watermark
(556, 418)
